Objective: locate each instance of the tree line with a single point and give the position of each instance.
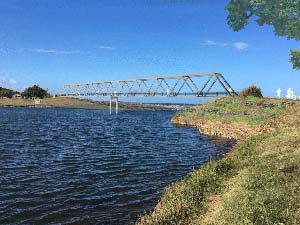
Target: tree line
(31, 92)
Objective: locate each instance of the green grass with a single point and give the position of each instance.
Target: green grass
(263, 187)
(253, 99)
(210, 116)
(227, 107)
(268, 189)
(182, 202)
(273, 111)
(250, 120)
(258, 183)
(193, 116)
(188, 115)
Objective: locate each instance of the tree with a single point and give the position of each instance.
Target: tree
(7, 93)
(35, 91)
(283, 15)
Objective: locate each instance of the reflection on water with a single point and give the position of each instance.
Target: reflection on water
(87, 167)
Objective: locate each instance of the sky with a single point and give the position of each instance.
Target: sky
(55, 42)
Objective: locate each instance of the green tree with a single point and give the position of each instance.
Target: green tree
(283, 15)
(7, 93)
(35, 91)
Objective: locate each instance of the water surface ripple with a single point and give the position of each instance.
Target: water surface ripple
(61, 166)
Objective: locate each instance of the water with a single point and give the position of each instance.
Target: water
(61, 166)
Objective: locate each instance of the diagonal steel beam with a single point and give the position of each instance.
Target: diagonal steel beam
(210, 87)
(154, 86)
(185, 80)
(204, 86)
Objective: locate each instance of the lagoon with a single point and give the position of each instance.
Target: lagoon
(66, 166)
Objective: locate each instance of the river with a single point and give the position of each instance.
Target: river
(66, 166)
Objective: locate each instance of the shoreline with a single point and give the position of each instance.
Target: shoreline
(234, 189)
(75, 103)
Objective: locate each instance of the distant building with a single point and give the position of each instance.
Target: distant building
(17, 96)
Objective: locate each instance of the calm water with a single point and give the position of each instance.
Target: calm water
(60, 166)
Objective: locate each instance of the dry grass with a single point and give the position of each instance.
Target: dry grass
(75, 103)
(7, 102)
(60, 102)
(258, 183)
(63, 102)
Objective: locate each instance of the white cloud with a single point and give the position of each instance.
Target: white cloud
(237, 45)
(240, 46)
(213, 43)
(53, 51)
(62, 51)
(208, 42)
(6, 82)
(105, 47)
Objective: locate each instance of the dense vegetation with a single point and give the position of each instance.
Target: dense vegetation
(251, 91)
(35, 91)
(6, 93)
(30, 92)
(258, 183)
(283, 15)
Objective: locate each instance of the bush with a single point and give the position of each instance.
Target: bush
(35, 91)
(251, 91)
(6, 93)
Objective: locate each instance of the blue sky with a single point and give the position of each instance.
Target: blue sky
(54, 42)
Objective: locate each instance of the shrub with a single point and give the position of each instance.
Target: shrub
(251, 91)
(35, 91)
(7, 93)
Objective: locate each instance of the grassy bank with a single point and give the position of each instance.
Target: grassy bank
(257, 183)
(59, 102)
(75, 103)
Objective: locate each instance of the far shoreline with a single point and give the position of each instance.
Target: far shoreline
(76, 103)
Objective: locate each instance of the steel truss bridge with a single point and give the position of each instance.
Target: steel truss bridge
(195, 85)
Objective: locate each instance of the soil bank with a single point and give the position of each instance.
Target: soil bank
(257, 183)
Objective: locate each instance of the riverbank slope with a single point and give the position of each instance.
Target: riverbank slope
(257, 183)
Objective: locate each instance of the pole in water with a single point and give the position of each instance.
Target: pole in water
(117, 106)
(110, 105)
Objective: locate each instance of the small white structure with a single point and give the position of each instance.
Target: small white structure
(278, 93)
(37, 101)
(291, 94)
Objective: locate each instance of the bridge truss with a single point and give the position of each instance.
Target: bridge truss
(196, 85)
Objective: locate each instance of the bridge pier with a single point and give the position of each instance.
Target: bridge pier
(110, 104)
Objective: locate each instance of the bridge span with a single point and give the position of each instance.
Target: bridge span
(196, 85)
(193, 85)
